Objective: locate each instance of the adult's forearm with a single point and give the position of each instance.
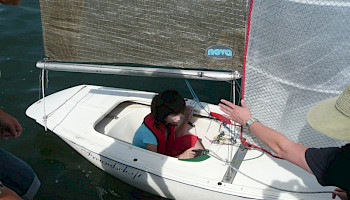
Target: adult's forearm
(270, 137)
(281, 145)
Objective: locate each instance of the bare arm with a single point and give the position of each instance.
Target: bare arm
(185, 155)
(279, 143)
(152, 147)
(180, 130)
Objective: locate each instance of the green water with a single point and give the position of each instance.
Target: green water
(64, 174)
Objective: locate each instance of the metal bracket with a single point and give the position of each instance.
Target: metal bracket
(236, 163)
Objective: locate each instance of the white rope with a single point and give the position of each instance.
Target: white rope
(43, 99)
(53, 111)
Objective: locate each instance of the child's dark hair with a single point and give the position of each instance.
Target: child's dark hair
(166, 103)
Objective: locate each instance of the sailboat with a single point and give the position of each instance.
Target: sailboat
(291, 53)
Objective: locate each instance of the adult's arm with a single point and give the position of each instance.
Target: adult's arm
(277, 142)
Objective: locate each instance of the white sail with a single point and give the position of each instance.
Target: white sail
(298, 55)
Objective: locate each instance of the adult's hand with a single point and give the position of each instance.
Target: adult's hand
(340, 193)
(9, 126)
(11, 2)
(239, 114)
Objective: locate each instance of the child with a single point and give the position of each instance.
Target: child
(159, 131)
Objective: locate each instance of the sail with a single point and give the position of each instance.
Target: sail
(297, 55)
(148, 32)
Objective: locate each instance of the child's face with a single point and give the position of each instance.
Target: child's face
(173, 119)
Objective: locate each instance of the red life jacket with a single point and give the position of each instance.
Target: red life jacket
(164, 146)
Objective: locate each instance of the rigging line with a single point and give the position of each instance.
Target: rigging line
(39, 85)
(52, 112)
(47, 78)
(243, 140)
(248, 144)
(220, 143)
(245, 143)
(233, 99)
(196, 99)
(44, 79)
(232, 134)
(239, 88)
(43, 93)
(213, 154)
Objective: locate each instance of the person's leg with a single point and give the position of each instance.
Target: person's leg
(33, 189)
(18, 175)
(197, 145)
(185, 142)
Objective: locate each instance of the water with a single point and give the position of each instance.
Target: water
(64, 174)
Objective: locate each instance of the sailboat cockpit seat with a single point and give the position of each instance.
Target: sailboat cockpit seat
(123, 121)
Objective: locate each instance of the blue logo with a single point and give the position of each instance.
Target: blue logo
(219, 52)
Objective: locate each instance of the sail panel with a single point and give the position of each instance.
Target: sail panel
(150, 32)
(298, 56)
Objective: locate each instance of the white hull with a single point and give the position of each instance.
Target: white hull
(99, 123)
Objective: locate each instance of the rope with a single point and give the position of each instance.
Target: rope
(43, 78)
(196, 100)
(52, 112)
(43, 94)
(245, 143)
